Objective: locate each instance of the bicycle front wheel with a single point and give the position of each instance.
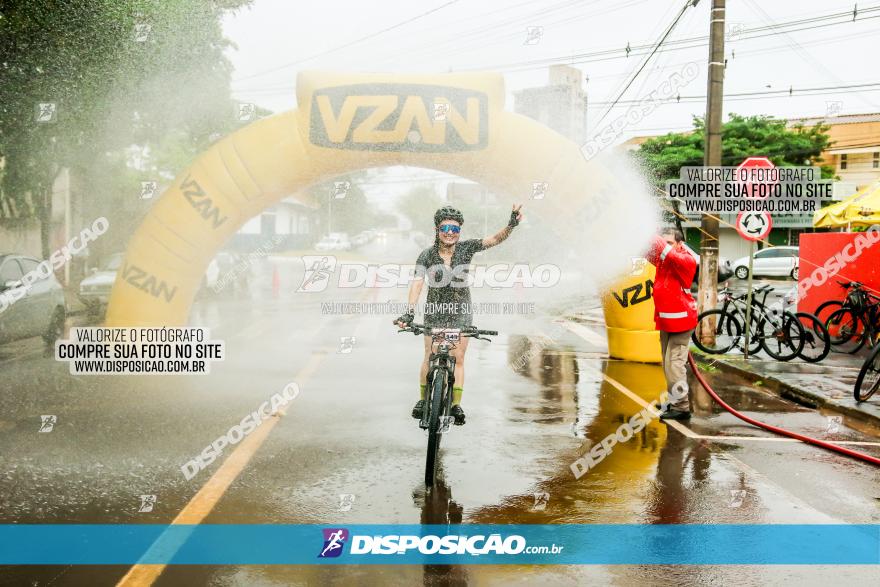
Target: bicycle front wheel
(782, 340)
(846, 330)
(726, 328)
(438, 388)
(868, 380)
(817, 341)
(825, 309)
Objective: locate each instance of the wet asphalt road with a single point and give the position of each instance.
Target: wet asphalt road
(347, 451)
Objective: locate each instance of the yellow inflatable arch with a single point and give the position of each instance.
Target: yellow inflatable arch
(454, 123)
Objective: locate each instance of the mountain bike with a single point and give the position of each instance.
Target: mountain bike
(780, 334)
(856, 320)
(825, 309)
(868, 380)
(441, 377)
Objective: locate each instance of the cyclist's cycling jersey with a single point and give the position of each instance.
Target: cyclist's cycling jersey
(449, 300)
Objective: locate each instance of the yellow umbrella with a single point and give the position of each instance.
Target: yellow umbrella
(860, 209)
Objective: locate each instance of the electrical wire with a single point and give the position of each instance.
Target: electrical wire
(350, 43)
(784, 93)
(669, 29)
(618, 53)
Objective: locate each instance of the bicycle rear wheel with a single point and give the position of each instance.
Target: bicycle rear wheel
(783, 340)
(727, 331)
(868, 380)
(817, 341)
(438, 389)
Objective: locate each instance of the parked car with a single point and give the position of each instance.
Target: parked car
(773, 261)
(94, 290)
(335, 241)
(41, 309)
(361, 238)
(724, 268)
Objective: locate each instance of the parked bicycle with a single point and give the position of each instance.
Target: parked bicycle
(441, 377)
(868, 380)
(780, 334)
(854, 321)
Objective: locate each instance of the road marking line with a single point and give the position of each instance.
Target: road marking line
(209, 495)
(631, 395)
(584, 333)
(777, 439)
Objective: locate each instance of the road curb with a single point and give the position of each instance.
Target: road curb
(796, 394)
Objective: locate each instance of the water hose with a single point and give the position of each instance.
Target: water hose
(814, 441)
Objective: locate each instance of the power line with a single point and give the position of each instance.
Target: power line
(808, 59)
(465, 43)
(674, 45)
(669, 30)
(350, 43)
(689, 43)
(289, 88)
(769, 93)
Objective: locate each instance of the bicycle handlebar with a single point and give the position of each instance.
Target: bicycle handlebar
(470, 331)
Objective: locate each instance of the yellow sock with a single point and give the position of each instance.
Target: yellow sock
(422, 391)
(456, 395)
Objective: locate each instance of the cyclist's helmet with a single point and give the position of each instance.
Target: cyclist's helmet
(448, 213)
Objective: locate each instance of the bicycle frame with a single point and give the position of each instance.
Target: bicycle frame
(759, 310)
(440, 362)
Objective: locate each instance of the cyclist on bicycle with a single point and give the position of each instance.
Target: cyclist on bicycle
(449, 299)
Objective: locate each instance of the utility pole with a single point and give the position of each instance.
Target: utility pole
(708, 292)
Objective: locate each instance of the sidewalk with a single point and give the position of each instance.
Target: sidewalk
(826, 385)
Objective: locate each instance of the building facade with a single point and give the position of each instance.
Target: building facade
(560, 105)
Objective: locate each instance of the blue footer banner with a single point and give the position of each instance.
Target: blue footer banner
(615, 544)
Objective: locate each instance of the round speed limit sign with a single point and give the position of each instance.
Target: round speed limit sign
(754, 226)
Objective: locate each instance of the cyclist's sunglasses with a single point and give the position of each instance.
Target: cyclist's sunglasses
(450, 228)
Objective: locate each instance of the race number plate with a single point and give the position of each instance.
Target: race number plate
(450, 334)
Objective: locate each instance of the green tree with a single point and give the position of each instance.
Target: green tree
(418, 206)
(342, 204)
(741, 137)
(117, 76)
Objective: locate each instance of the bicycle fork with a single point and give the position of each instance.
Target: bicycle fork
(437, 365)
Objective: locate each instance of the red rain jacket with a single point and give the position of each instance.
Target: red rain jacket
(675, 309)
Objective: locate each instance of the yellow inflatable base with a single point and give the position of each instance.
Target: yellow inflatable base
(629, 316)
(641, 346)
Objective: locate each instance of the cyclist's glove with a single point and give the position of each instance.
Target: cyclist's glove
(514, 221)
(406, 319)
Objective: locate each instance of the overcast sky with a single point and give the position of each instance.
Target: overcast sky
(277, 38)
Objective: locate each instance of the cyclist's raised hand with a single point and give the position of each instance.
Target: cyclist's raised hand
(515, 216)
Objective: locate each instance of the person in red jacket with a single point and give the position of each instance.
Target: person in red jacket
(675, 314)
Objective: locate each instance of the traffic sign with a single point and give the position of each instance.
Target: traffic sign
(743, 174)
(754, 226)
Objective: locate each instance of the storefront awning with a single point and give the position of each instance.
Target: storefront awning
(860, 209)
